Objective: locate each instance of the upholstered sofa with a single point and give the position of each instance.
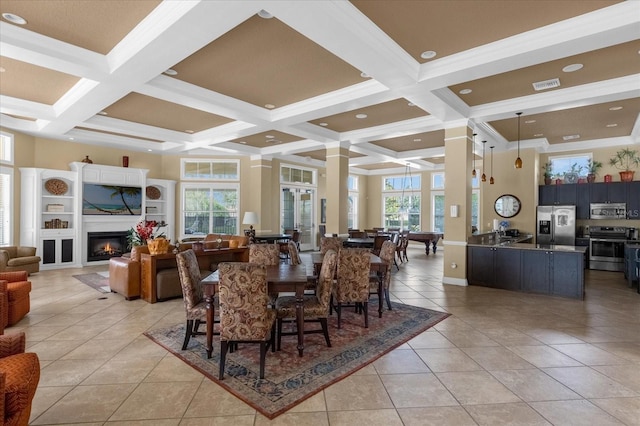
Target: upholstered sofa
(19, 258)
(14, 290)
(19, 377)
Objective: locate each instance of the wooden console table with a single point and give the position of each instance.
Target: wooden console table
(152, 263)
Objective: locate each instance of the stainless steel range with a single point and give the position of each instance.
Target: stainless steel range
(606, 247)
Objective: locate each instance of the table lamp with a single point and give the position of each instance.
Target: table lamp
(251, 218)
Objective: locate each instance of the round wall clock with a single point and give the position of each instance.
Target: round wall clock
(507, 205)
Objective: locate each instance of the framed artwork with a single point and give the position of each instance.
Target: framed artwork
(323, 210)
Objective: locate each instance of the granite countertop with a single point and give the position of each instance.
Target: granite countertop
(527, 246)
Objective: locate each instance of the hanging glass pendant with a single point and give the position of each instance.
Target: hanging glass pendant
(518, 163)
(484, 177)
(473, 155)
(491, 181)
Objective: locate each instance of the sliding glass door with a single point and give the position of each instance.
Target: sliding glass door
(297, 212)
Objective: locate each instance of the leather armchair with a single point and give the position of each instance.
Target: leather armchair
(125, 273)
(19, 377)
(15, 289)
(19, 258)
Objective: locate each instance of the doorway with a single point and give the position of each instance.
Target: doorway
(297, 212)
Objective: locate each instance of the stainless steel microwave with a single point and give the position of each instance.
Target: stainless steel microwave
(608, 211)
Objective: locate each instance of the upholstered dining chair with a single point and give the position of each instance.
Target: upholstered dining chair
(294, 254)
(401, 249)
(194, 303)
(244, 313)
(19, 377)
(330, 243)
(316, 306)
(387, 254)
(378, 240)
(352, 287)
(264, 254)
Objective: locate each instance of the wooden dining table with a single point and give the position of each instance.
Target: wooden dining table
(377, 265)
(282, 277)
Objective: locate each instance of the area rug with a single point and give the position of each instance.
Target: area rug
(290, 379)
(98, 281)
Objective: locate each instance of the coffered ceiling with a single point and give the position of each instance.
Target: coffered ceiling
(286, 79)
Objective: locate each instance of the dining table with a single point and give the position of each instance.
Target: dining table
(273, 238)
(280, 278)
(377, 265)
(358, 242)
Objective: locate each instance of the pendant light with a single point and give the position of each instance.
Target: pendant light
(484, 177)
(473, 155)
(491, 181)
(518, 164)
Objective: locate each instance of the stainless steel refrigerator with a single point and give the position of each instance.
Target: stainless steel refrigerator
(556, 225)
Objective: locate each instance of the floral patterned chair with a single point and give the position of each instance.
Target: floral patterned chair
(19, 377)
(244, 313)
(330, 243)
(194, 303)
(316, 307)
(387, 254)
(352, 288)
(264, 254)
(294, 254)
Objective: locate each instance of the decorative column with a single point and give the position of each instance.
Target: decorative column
(337, 187)
(458, 144)
(261, 200)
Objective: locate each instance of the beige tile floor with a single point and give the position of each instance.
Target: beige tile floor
(501, 358)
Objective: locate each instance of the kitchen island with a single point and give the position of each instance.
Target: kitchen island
(556, 270)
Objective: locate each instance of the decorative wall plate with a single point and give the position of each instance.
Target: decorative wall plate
(153, 193)
(56, 186)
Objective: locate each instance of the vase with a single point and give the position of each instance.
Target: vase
(87, 160)
(608, 178)
(547, 181)
(125, 161)
(591, 177)
(627, 176)
(158, 245)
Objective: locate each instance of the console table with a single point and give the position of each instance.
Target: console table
(152, 263)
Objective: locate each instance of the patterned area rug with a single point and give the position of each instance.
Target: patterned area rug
(290, 379)
(98, 281)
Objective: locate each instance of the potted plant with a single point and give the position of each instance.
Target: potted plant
(625, 160)
(573, 175)
(548, 173)
(592, 168)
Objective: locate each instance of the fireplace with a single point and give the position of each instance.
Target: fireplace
(105, 245)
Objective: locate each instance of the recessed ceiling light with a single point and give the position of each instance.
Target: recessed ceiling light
(465, 91)
(615, 108)
(323, 124)
(537, 135)
(417, 140)
(170, 71)
(274, 141)
(572, 67)
(411, 104)
(547, 84)
(529, 121)
(428, 54)
(72, 138)
(189, 131)
(612, 125)
(2, 69)
(570, 137)
(361, 115)
(269, 136)
(270, 106)
(150, 150)
(14, 19)
(364, 75)
(243, 142)
(264, 14)
(103, 113)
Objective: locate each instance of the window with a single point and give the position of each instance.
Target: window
(437, 180)
(401, 202)
(560, 165)
(290, 174)
(6, 148)
(210, 209)
(352, 218)
(437, 210)
(210, 169)
(6, 201)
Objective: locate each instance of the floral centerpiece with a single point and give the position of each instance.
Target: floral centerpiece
(144, 230)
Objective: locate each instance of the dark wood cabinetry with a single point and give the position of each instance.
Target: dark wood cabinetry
(583, 194)
(553, 272)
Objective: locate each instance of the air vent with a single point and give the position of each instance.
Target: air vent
(547, 84)
(570, 137)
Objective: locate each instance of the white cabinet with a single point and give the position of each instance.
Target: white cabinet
(160, 204)
(49, 216)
